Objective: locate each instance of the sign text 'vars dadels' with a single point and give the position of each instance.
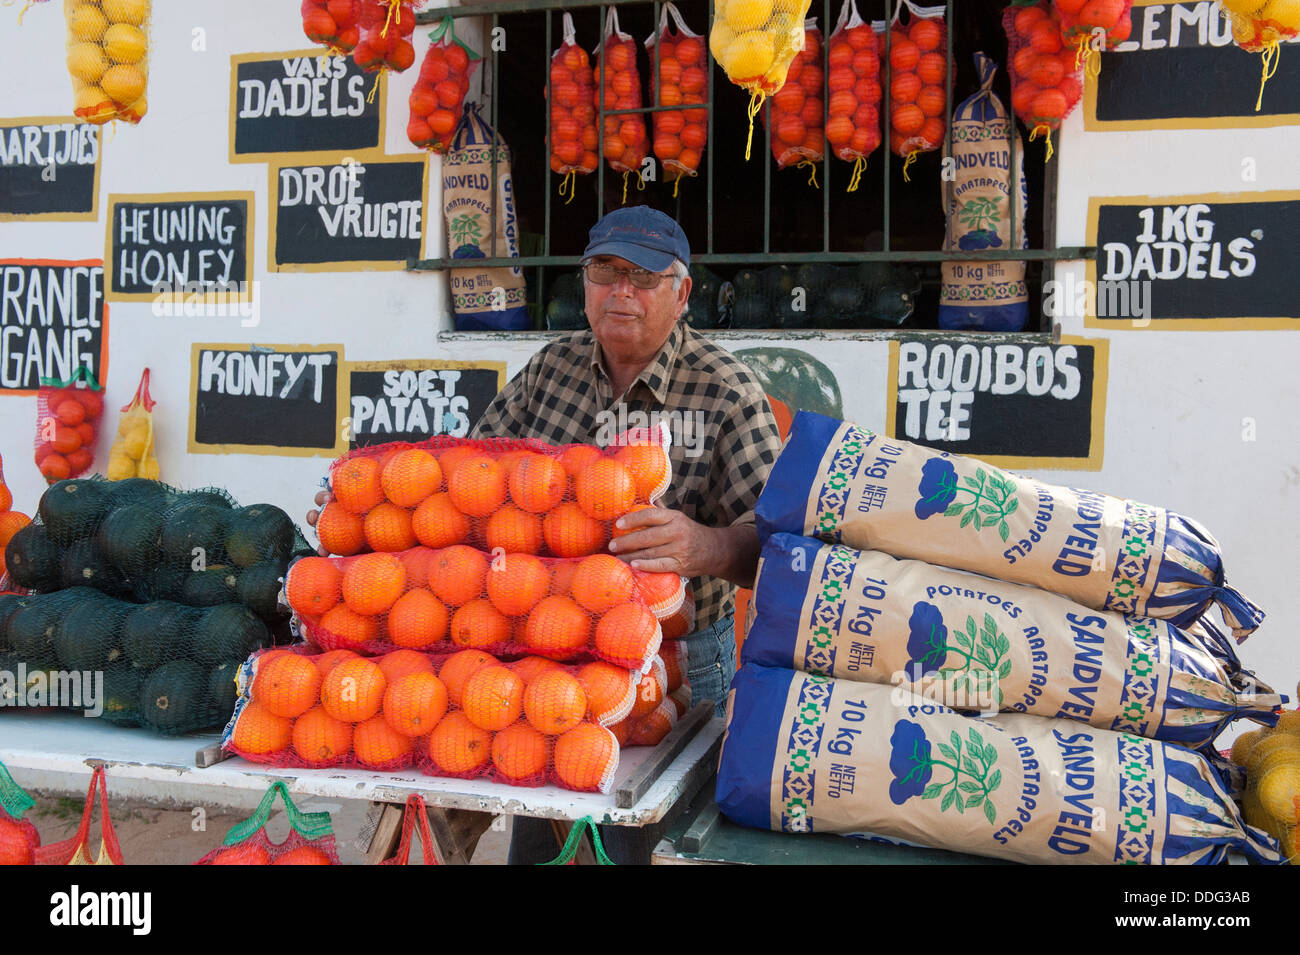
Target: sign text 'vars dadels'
(52, 321)
(49, 169)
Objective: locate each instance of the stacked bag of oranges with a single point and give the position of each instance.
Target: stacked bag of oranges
(67, 413)
(572, 97)
(335, 23)
(1046, 75)
(798, 135)
(853, 124)
(436, 99)
(108, 58)
(618, 85)
(918, 84)
(682, 69)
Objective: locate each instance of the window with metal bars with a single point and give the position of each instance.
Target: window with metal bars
(747, 220)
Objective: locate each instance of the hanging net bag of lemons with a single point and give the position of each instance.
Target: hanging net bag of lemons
(133, 454)
(754, 41)
(108, 58)
(1260, 26)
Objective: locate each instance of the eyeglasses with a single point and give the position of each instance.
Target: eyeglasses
(600, 273)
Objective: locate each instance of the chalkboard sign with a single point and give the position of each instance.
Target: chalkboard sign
(1011, 402)
(267, 399)
(414, 400)
(1179, 69)
(52, 321)
(350, 216)
(1214, 261)
(49, 169)
(293, 106)
(176, 243)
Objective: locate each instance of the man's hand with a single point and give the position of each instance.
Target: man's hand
(659, 540)
(322, 498)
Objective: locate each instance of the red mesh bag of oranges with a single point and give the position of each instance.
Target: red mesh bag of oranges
(436, 99)
(572, 97)
(1090, 26)
(680, 135)
(385, 44)
(19, 839)
(853, 113)
(67, 424)
(108, 58)
(522, 496)
(459, 597)
(467, 715)
(797, 134)
(618, 87)
(918, 69)
(1046, 77)
(310, 840)
(334, 23)
(662, 698)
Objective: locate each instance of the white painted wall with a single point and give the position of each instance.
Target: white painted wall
(1175, 406)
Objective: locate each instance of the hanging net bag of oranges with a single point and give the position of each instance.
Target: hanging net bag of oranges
(618, 88)
(336, 24)
(853, 123)
(797, 134)
(918, 67)
(1090, 26)
(755, 41)
(1260, 28)
(133, 454)
(108, 58)
(1046, 76)
(436, 99)
(681, 65)
(385, 44)
(310, 840)
(67, 424)
(571, 94)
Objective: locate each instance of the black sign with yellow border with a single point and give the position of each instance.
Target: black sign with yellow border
(412, 400)
(49, 169)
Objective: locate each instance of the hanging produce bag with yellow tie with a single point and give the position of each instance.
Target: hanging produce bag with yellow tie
(754, 41)
(133, 454)
(108, 58)
(1260, 26)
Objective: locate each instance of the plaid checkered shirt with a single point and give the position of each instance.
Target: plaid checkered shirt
(560, 395)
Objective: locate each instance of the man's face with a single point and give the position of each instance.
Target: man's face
(632, 324)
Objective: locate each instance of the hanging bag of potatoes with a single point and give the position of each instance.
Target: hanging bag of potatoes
(108, 58)
(133, 454)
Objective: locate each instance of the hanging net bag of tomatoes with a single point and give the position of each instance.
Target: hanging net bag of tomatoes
(679, 62)
(572, 98)
(1090, 26)
(133, 454)
(67, 424)
(334, 23)
(797, 133)
(918, 70)
(1260, 27)
(1046, 76)
(755, 41)
(853, 123)
(440, 91)
(19, 839)
(108, 58)
(385, 44)
(618, 87)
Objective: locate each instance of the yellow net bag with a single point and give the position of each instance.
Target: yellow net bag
(133, 454)
(108, 58)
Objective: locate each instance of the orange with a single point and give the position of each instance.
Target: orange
(562, 572)
(530, 668)
(373, 582)
(259, 731)
(514, 531)
(437, 523)
(673, 671)
(627, 634)
(516, 583)
(557, 627)
(677, 625)
(649, 693)
(415, 704)
(401, 663)
(457, 746)
(477, 486)
(450, 458)
(313, 586)
(458, 668)
(537, 482)
(926, 34)
(7, 498)
(417, 620)
(388, 528)
(659, 591)
(327, 661)
(319, 739)
(456, 575)
(410, 477)
(510, 460)
(417, 561)
(609, 689)
(651, 728)
(605, 490)
(353, 690)
(586, 757)
(602, 581)
(478, 624)
(289, 685)
(357, 484)
(349, 626)
(576, 457)
(304, 855)
(378, 746)
(622, 731)
(55, 467)
(340, 531)
(907, 120)
(521, 753)
(555, 702)
(242, 855)
(493, 698)
(569, 532)
(11, 522)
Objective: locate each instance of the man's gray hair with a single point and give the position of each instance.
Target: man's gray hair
(679, 272)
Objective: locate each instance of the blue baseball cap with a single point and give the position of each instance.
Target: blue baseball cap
(643, 236)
